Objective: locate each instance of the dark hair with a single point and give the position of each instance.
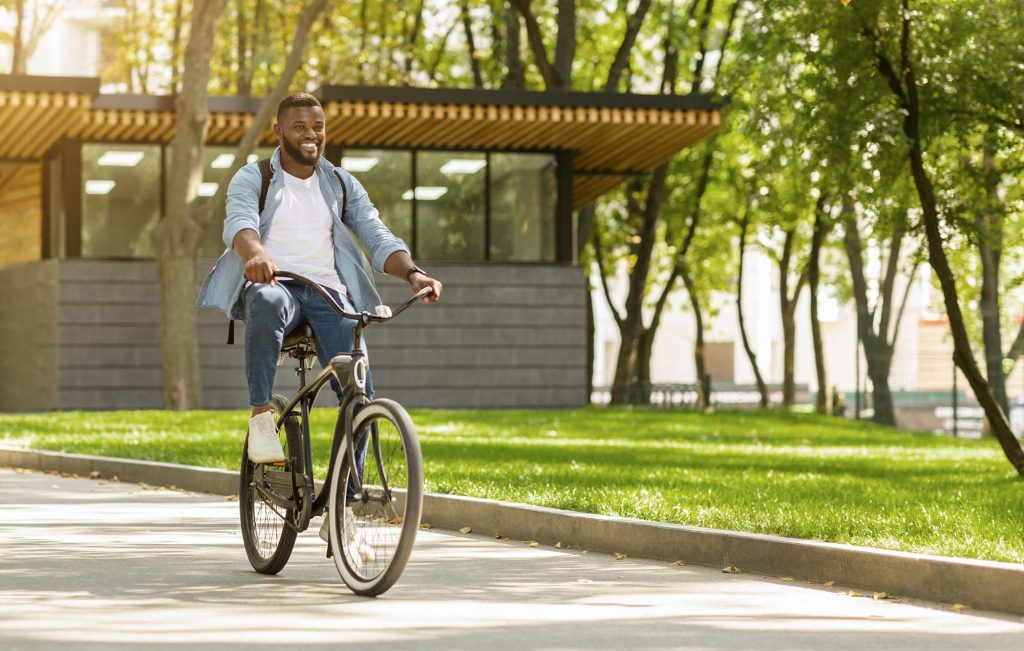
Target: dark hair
(296, 99)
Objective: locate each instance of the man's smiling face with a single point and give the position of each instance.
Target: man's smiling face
(301, 130)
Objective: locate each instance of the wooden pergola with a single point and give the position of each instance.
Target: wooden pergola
(609, 137)
(612, 136)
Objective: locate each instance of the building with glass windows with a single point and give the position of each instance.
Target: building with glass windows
(482, 185)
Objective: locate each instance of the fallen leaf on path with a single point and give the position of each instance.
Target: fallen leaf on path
(426, 525)
(679, 563)
(95, 474)
(232, 498)
(466, 530)
(732, 569)
(506, 539)
(583, 552)
(497, 536)
(852, 593)
(878, 596)
(533, 543)
(619, 556)
(558, 545)
(114, 478)
(786, 578)
(398, 520)
(958, 607)
(829, 584)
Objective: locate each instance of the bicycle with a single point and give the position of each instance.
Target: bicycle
(372, 495)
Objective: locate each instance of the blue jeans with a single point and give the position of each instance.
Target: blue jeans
(273, 312)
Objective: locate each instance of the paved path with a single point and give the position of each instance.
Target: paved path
(90, 564)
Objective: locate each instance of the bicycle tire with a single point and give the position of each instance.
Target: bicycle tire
(266, 532)
(387, 527)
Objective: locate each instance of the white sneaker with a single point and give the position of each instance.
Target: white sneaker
(264, 445)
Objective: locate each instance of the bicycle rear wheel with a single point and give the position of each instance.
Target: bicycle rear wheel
(266, 532)
(373, 527)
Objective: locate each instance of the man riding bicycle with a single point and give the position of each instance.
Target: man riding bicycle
(304, 227)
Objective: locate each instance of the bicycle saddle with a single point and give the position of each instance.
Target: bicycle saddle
(302, 335)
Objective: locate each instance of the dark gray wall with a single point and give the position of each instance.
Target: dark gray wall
(28, 337)
(503, 336)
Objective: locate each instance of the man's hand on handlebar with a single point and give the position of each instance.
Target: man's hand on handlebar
(419, 281)
(260, 269)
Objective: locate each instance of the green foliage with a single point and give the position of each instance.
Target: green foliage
(780, 473)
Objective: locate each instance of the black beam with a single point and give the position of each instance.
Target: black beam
(565, 235)
(508, 97)
(71, 162)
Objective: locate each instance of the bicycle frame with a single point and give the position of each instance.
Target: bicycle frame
(351, 371)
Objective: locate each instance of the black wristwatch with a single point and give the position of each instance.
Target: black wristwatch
(414, 269)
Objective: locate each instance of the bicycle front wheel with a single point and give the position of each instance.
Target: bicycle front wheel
(266, 532)
(373, 524)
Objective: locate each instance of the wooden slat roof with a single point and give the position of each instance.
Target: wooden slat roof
(612, 136)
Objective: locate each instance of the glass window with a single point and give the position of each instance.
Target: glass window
(215, 161)
(523, 204)
(450, 205)
(121, 201)
(386, 175)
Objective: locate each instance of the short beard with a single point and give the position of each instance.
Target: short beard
(298, 155)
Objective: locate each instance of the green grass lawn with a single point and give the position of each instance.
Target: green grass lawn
(789, 474)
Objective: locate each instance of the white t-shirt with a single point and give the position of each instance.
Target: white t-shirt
(300, 236)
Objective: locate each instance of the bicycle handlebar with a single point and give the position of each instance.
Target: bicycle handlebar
(364, 318)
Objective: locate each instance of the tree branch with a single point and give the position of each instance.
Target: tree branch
(621, 61)
(540, 55)
(599, 259)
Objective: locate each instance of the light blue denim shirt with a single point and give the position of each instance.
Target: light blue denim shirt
(223, 285)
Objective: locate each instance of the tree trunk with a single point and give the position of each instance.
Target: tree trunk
(877, 350)
(762, 388)
(703, 382)
(515, 71)
(474, 57)
(990, 244)
(787, 308)
(820, 231)
(905, 90)
(632, 325)
(18, 53)
(176, 237)
(179, 345)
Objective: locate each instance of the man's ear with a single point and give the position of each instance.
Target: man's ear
(277, 130)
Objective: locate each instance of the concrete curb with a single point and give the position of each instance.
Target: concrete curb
(982, 585)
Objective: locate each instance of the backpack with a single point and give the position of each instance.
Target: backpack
(266, 174)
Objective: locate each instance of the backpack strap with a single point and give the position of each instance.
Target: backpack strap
(265, 175)
(344, 194)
